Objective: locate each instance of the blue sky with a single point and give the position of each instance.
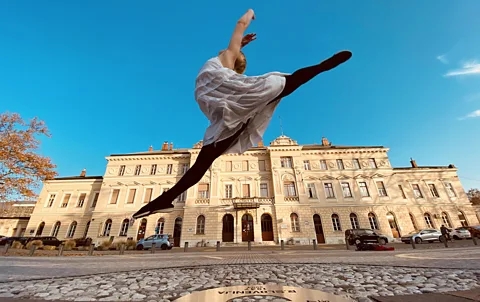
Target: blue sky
(118, 76)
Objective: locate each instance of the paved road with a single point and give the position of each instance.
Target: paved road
(28, 268)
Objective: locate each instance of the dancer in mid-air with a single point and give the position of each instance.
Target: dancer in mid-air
(238, 107)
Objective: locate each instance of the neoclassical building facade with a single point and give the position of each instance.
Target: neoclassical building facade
(284, 191)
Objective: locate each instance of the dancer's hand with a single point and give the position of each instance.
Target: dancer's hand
(248, 38)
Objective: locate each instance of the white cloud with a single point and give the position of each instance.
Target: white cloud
(443, 59)
(469, 68)
(473, 114)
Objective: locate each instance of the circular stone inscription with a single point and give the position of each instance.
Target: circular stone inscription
(288, 293)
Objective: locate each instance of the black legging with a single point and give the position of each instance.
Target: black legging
(210, 152)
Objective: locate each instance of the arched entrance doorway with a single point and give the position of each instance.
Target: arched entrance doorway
(141, 229)
(177, 231)
(392, 221)
(267, 227)
(247, 228)
(317, 222)
(40, 228)
(228, 228)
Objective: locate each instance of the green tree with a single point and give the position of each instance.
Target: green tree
(474, 196)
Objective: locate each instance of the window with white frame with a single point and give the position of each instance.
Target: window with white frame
(138, 168)
(446, 220)
(246, 190)
(124, 228)
(131, 195)
(372, 219)
(372, 163)
(463, 220)
(107, 227)
(289, 188)
(51, 200)
(450, 190)
(416, 191)
(81, 200)
(340, 164)
(336, 223)
(121, 171)
(323, 165)
(185, 168)
(354, 221)
(66, 199)
(228, 191)
(71, 229)
(85, 232)
(402, 191)
(203, 191)
(347, 192)
(148, 195)
(433, 190)
(261, 165)
(356, 164)
(382, 191)
(182, 197)
(329, 193)
(115, 194)
(286, 162)
(306, 165)
(169, 168)
(363, 189)
(153, 170)
(312, 192)
(56, 228)
(95, 199)
(160, 226)
(200, 225)
(428, 220)
(295, 222)
(263, 190)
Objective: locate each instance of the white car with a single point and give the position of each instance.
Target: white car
(459, 233)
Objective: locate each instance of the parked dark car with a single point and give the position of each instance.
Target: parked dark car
(83, 241)
(46, 240)
(10, 240)
(474, 230)
(358, 236)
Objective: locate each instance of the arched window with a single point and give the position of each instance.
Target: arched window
(56, 228)
(201, 224)
(413, 221)
(445, 220)
(124, 227)
(160, 226)
(86, 230)
(71, 229)
(107, 227)
(295, 222)
(428, 220)
(373, 221)
(462, 219)
(336, 223)
(40, 228)
(354, 221)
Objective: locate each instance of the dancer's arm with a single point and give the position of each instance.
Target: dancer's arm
(229, 56)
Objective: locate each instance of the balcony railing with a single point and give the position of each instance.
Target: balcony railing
(291, 198)
(245, 202)
(204, 201)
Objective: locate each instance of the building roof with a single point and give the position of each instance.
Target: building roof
(19, 209)
(77, 177)
(424, 168)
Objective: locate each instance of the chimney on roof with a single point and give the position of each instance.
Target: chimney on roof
(413, 162)
(325, 142)
(150, 149)
(165, 146)
(451, 166)
(260, 144)
(171, 146)
(83, 173)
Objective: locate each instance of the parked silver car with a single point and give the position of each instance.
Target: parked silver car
(460, 233)
(428, 235)
(162, 241)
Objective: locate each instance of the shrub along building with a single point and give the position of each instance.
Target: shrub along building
(283, 191)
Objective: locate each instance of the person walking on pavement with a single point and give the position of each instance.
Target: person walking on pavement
(445, 233)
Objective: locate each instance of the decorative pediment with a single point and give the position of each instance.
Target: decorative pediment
(198, 145)
(309, 177)
(283, 141)
(327, 177)
(361, 176)
(343, 177)
(378, 175)
(288, 177)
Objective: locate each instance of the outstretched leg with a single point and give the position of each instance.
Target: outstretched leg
(205, 159)
(302, 76)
